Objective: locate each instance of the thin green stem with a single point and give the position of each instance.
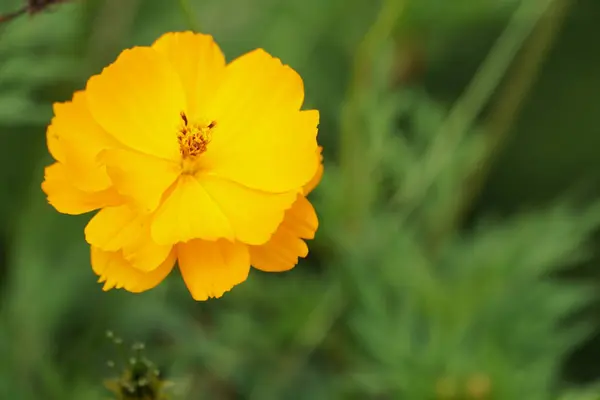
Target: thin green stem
(351, 139)
(333, 302)
(516, 89)
(509, 102)
(468, 107)
(188, 13)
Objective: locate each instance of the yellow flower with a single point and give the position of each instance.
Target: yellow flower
(189, 160)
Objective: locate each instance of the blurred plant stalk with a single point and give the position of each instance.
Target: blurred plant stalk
(514, 92)
(189, 15)
(359, 193)
(32, 7)
(463, 115)
(511, 65)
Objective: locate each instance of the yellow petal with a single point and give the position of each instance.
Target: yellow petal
(144, 254)
(138, 99)
(68, 199)
(210, 269)
(140, 177)
(116, 272)
(189, 212)
(54, 145)
(199, 63)
(253, 215)
(121, 228)
(112, 227)
(80, 140)
(261, 139)
(316, 179)
(280, 254)
(302, 219)
(282, 251)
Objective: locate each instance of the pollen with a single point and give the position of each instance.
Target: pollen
(193, 138)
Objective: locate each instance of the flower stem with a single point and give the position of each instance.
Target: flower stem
(464, 113)
(512, 96)
(192, 21)
(356, 175)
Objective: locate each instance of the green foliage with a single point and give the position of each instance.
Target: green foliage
(400, 298)
(582, 394)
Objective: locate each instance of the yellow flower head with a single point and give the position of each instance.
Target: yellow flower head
(189, 160)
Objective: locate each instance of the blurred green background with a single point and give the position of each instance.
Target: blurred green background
(457, 256)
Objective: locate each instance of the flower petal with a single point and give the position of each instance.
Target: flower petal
(302, 219)
(77, 140)
(140, 177)
(121, 228)
(113, 227)
(210, 269)
(68, 199)
(199, 63)
(144, 254)
(261, 139)
(54, 145)
(316, 179)
(116, 272)
(138, 99)
(281, 252)
(189, 212)
(252, 214)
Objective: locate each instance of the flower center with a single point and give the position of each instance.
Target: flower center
(193, 138)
